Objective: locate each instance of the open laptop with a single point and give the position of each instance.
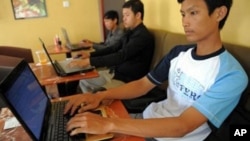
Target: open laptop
(7, 63)
(69, 45)
(4, 71)
(62, 68)
(32, 107)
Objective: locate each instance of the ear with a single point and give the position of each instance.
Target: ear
(115, 20)
(221, 12)
(138, 15)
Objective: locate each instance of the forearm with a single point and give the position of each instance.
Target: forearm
(161, 127)
(129, 90)
(99, 46)
(102, 52)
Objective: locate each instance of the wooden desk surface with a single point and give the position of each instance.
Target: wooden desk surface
(47, 75)
(58, 50)
(115, 109)
(52, 49)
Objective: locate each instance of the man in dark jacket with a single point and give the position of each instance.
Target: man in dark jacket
(129, 59)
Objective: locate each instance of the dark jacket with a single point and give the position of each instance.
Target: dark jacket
(131, 57)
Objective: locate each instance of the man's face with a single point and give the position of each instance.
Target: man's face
(110, 24)
(129, 18)
(197, 23)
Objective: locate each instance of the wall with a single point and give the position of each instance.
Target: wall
(164, 14)
(81, 19)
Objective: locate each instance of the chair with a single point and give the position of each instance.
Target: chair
(17, 52)
(137, 105)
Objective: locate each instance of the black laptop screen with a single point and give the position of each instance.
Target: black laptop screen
(29, 100)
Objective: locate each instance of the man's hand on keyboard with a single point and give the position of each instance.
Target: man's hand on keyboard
(82, 102)
(88, 122)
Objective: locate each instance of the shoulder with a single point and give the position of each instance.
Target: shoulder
(231, 66)
(141, 29)
(181, 48)
(119, 31)
(142, 33)
(184, 47)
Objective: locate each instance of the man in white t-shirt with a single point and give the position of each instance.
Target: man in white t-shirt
(205, 84)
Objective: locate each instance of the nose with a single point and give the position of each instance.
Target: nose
(185, 21)
(123, 18)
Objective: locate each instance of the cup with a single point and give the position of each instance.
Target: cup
(42, 58)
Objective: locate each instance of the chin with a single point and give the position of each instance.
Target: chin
(191, 39)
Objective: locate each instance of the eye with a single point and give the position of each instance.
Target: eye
(182, 14)
(193, 12)
(125, 15)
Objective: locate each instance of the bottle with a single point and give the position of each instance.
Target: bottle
(57, 42)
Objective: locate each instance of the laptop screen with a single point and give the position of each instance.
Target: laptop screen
(26, 98)
(65, 35)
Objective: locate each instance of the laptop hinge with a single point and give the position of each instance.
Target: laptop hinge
(59, 68)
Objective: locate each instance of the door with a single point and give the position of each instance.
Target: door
(111, 5)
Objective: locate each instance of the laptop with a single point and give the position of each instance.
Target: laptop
(62, 68)
(7, 63)
(32, 107)
(69, 45)
(4, 71)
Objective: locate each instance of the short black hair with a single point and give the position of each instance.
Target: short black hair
(213, 4)
(136, 6)
(112, 14)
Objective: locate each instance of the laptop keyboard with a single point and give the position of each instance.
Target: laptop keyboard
(60, 133)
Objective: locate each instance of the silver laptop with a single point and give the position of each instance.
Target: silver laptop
(62, 68)
(69, 45)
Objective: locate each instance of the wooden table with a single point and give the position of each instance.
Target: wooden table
(65, 85)
(47, 75)
(113, 110)
(55, 85)
(52, 49)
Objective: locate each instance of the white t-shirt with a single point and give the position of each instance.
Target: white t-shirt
(212, 84)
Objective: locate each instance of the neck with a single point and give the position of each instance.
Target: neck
(113, 30)
(208, 46)
(136, 24)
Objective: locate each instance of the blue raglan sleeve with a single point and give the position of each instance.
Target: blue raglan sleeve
(223, 96)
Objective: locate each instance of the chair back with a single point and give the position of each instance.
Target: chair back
(17, 52)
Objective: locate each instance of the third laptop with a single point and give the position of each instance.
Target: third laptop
(69, 45)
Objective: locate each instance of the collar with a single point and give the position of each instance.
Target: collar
(216, 53)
